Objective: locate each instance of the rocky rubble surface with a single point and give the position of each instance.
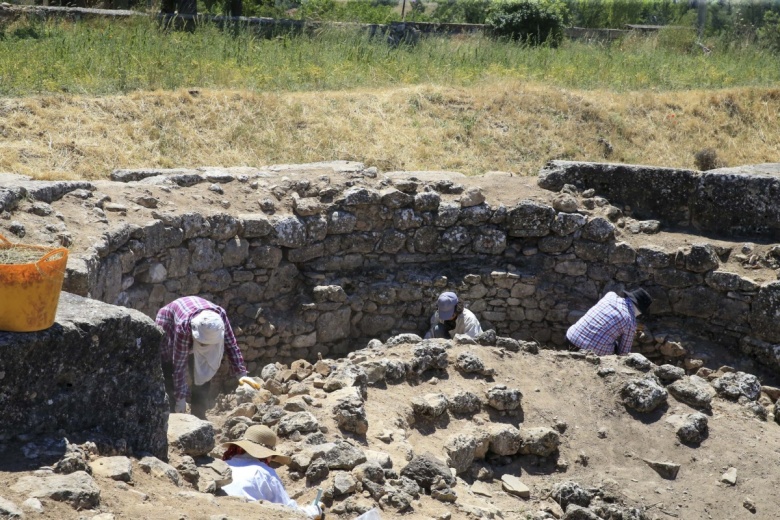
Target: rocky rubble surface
(401, 427)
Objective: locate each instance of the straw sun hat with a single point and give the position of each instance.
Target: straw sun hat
(259, 441)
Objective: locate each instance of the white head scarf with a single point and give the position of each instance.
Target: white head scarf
(208, 345)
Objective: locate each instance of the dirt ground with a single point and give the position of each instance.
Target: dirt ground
(603, 446)
(603, 443)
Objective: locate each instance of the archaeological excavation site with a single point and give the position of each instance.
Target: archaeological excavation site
(330, 273)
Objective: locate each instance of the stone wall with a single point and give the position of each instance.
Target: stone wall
(368, 262)
(729, 202)
(95, 371)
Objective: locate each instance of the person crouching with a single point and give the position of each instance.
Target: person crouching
(452, 318)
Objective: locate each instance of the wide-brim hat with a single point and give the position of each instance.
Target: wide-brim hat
(259, 441)
(640, 298)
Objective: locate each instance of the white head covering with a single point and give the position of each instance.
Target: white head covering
(208, 345)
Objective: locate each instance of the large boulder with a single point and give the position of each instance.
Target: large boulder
(107, 359)
(502, 398)
(424, 469)
(350, 411)
(78, 489)
(539, 441)
(301, 422)
(429, 406)
(160, 469)
(734, 385)
(338, 455)
(505, 439)
(460, 451)
(190, 435)
(643, 395)
(566, 493)
(116, 468)
(428, 355)
(693, 429)
(693, 391)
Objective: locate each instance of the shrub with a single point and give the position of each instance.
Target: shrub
(529, 21)
(316, 9)
(707, 159)
(769, 34)
(462, 11)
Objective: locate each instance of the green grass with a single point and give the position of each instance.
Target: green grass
(106, 58)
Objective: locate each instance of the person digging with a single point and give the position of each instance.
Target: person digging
(196, 334)
(452, 318)
(609, 326)
(252, 460)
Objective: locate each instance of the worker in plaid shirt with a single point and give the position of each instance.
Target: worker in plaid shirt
(609, 326)
(196, 333)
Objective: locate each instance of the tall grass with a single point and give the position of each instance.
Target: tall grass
(105, 58)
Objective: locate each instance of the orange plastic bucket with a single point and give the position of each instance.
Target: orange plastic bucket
(30, 292)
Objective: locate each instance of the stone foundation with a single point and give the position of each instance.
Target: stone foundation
(368, 258)
(95, 371)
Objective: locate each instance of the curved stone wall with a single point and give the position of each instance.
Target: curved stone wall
(739, 201)
(368, 259)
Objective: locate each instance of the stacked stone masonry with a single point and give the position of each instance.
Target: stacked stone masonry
(367, 260)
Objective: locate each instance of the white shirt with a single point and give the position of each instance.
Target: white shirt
(466, 323)
(255, 480)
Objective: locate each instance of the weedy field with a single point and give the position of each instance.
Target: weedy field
(81, 100)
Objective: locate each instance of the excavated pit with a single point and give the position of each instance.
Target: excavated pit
(318, 259)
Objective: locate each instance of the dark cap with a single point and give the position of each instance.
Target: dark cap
(446, 305)
(640, 298)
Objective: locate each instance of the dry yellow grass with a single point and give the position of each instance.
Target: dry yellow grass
(509, 126)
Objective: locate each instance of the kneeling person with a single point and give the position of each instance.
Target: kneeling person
(452, 318)
(609, 326)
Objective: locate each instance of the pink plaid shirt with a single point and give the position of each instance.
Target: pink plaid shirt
(176, 344)
(608, 327)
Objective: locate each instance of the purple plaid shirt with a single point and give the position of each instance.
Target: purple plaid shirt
(608, 327)
(176, 344)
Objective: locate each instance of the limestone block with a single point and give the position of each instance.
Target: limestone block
(448, 214)
(116, 468)
(120, 344)
(471, 197)
(530, 219)
(289, 231)
(598, 229)
(160, 469)
(394, 199)
(475, 215)
(406, 218)
(190, 435)
(78, 489)
(204, 255)
(490, 241)
(455, 238)
(426, 201)
(254, 225)
(235, 252)
(223, 226)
